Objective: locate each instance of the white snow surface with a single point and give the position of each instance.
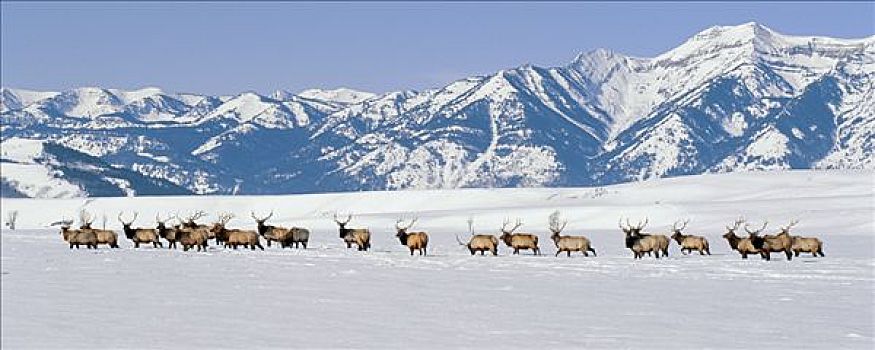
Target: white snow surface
(331, 297)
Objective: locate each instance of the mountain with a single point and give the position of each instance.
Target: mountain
(736, 98)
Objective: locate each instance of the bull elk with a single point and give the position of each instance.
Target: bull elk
(689, 243)
(171, 234)
(781, 242)
(361, 237)
(415, 241)
(479, 243)
(568, 244)
(811, 245)
(139, 235)
(640, 243)
(743, 246)
(518, 241)
(77, 238)
(270, 233)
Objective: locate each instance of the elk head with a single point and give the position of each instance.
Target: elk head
(127, 224)
(219, 226)
(633, 230)
(555, 226)
(402, 230)
(677, 231)
(262, 228)
(730, 231)
(506, 232)
(342, 224)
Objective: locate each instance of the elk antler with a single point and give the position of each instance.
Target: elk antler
(736, 225)
(348, 218)
(252, 213)
(85, 218)
(674, 226)
(506, 222)
(405, 228)
(747, 228)
(792, 223)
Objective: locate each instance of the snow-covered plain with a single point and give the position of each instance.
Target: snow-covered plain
(331, 297)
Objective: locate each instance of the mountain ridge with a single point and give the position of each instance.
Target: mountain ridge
(729, 98)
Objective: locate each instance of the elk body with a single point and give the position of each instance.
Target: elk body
(139, 235)
(743, 246)
(191, 238)
(479, 243)
(519, 241)
(640, 243)
(297, 236)
(235, 238)
(689, 243)
(568, 244)
(105, 237)
(807, 245)
(415, 241)
(361, 237)
(768, 244)
(78, 237)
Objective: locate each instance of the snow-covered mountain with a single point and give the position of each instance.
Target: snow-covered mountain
(733, 98)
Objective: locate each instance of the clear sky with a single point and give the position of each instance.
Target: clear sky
(226, 48)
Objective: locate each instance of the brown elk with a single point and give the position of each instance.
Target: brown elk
(107, 237)
(269, 232)
(518, 241)
(689, 243)
(781, 242)
(234, 238)
(743, 246)
(361, 237)
(139, 235)
(189, 223)
(568, 244)
(78, 237)
(479, 243)
(415, 241)
(641, 243)
(811, 245)
(171, 234)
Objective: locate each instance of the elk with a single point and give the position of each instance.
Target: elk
(234, 238)
(190, 223)
(744, 246)
(689, 243)
(171, 234)
(811, 245)
(78, 237)
(297, 235)
(568, 244)
(641, 243)
(107, 237)
(191, 238)
(413, 240)
(270, 232)
(782, 242)
(479, 243)
(518, 241)
(139, 235)
(361, 237)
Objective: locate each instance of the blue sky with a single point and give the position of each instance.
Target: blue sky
(225, 48)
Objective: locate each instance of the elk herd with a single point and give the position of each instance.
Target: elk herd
(191, 235)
